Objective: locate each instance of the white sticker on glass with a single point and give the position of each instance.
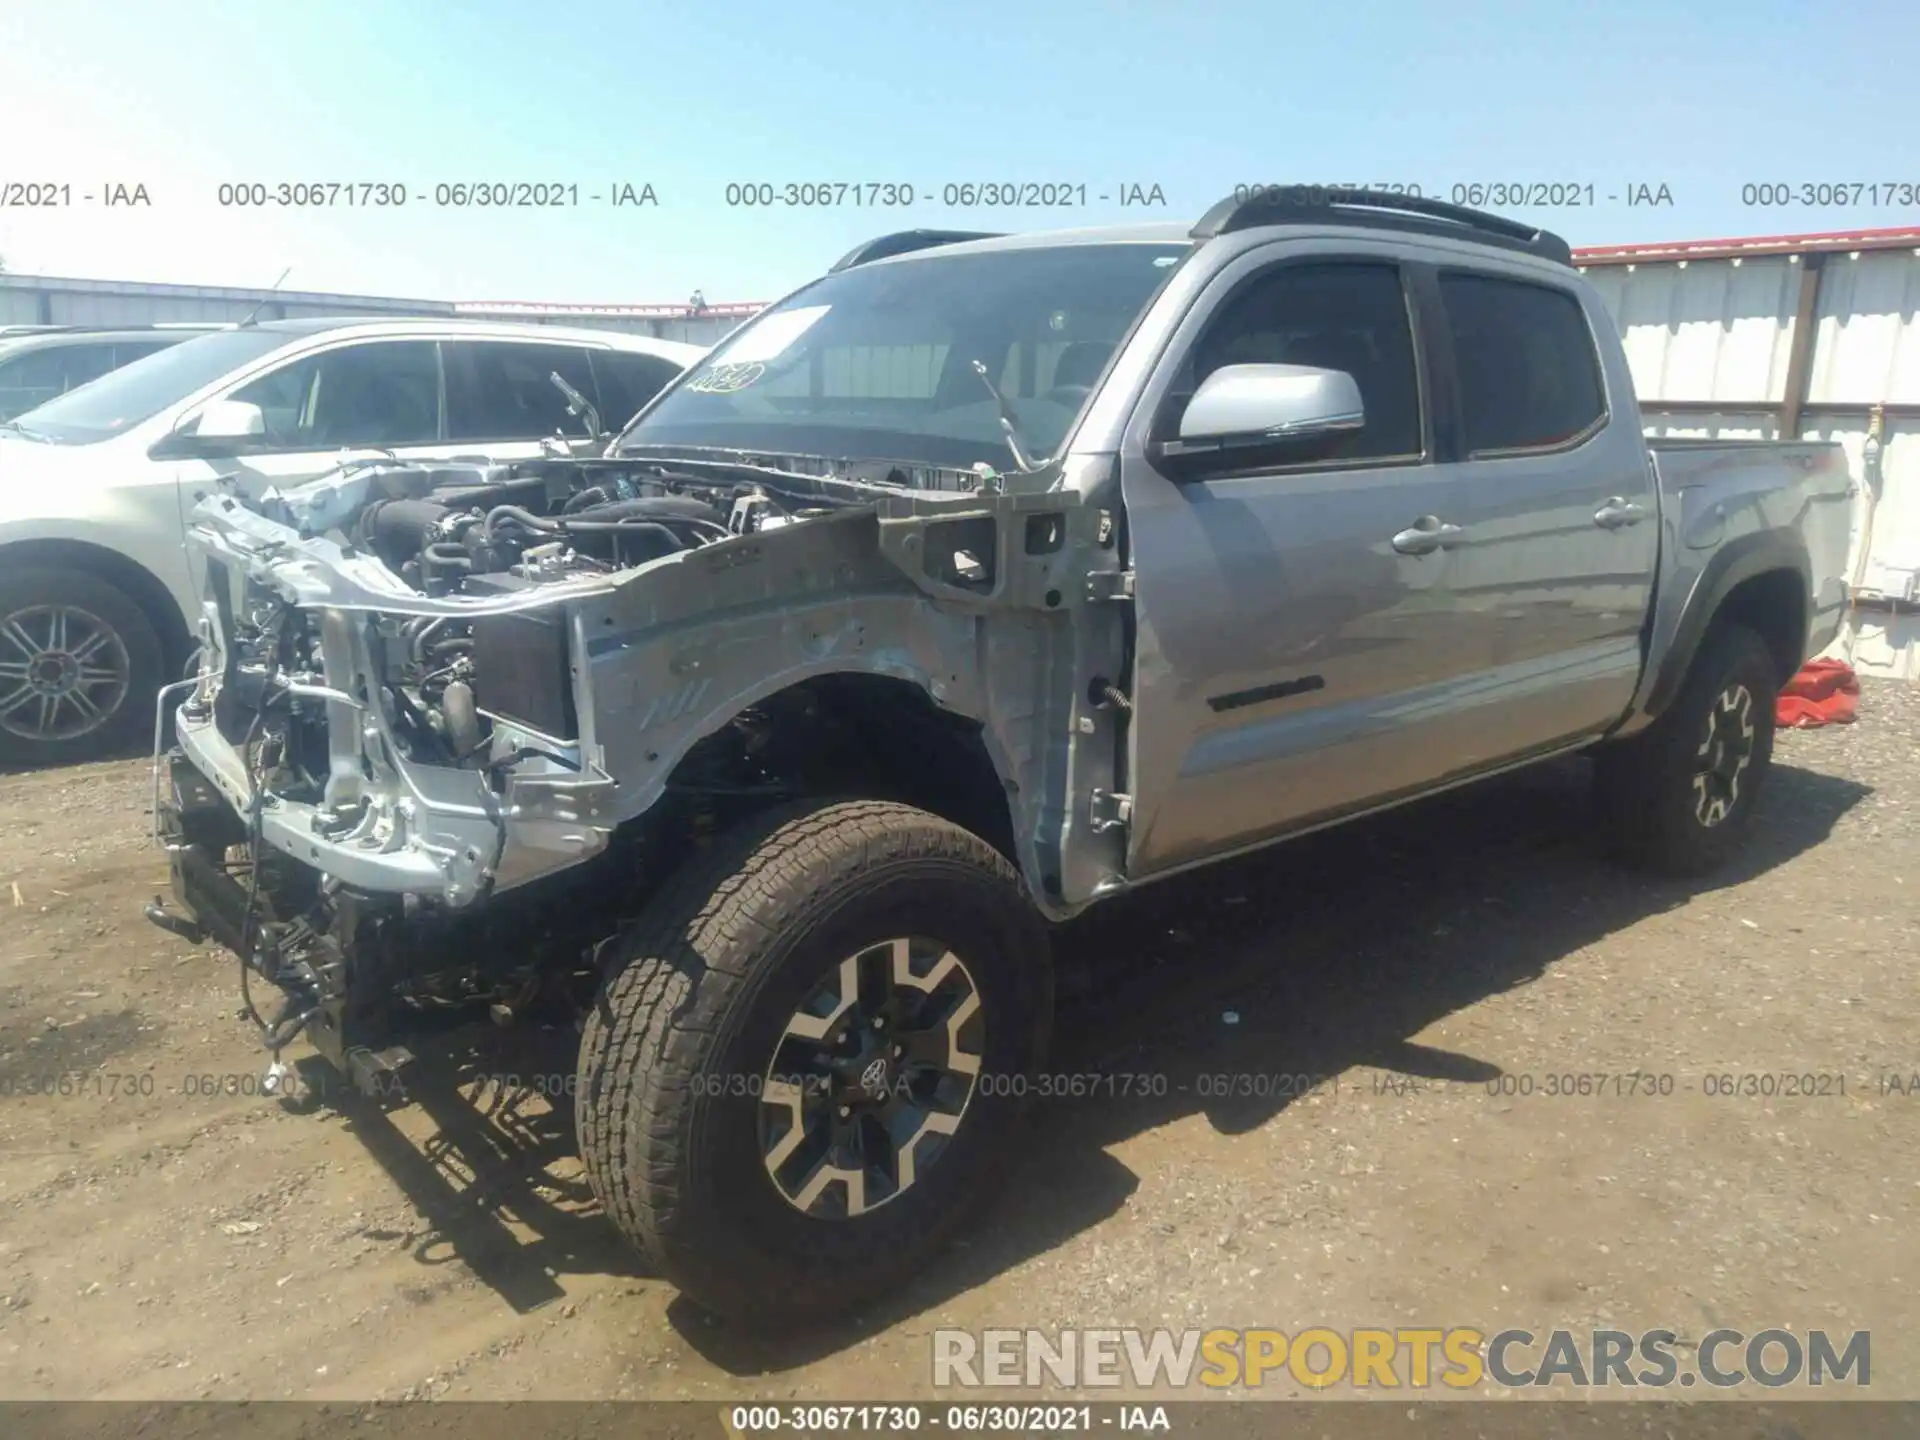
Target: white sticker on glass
(771, 336)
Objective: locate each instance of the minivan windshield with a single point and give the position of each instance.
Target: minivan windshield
(877, 362)
(121, 399)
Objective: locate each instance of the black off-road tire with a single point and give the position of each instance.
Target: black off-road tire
(128, 725)
(695, 1004)
(1664, 804)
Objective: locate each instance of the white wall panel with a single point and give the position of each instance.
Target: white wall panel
(1867, 349)
(1708, 330)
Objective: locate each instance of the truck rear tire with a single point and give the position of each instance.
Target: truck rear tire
(805, 1067)
(80, 667)
(1679, 797)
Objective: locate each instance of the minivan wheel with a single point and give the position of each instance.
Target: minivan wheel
(803, 1072)
(80, 666)
(1679, 798)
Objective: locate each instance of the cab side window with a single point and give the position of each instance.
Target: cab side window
(1529, 373)
(1339, 315)
(383, 394)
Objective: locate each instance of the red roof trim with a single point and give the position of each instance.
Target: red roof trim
(1898, 238)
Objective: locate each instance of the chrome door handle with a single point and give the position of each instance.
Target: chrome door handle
(1617, 512)
(1426, 535)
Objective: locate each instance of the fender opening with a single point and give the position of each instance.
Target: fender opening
(1774, 606)
(872, 735)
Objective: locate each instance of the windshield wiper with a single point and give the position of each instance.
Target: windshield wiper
(22, 431)
(1009, 422)
(579, 407)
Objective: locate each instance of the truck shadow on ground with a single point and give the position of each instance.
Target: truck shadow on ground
(1329, 953)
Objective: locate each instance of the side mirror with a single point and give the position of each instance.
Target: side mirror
(230, 420)
(220, 427)
(1241, 406)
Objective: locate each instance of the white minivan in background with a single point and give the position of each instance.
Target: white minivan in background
(95, 581)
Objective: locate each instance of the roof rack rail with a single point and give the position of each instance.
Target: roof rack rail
(1382, 209)
(905, 242)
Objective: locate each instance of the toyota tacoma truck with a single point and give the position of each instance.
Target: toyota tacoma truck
(977, 582)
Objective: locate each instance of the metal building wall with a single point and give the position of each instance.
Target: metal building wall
(53, 300)
(1710, 343)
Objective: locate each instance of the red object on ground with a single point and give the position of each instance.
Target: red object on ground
(1825, 692)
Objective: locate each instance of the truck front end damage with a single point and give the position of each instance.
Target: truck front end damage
(452, 723)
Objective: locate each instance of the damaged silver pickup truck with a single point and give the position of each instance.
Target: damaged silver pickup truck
(978, 581)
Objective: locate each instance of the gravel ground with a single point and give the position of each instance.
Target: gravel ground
(162, 1239)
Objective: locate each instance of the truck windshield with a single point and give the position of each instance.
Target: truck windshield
(121, 399)
(877, 362)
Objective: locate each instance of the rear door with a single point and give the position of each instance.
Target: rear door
(1290, 662)
(1556, 570)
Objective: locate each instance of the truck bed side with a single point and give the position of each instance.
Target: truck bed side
(1732, 513)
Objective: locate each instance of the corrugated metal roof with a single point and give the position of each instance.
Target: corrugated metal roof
(1902, 238)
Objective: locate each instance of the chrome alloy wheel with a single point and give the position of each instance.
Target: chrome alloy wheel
(63, 672)
(871, 1078)
(1724, 756)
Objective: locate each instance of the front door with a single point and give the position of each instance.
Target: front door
(1298, 646)
(324, 408)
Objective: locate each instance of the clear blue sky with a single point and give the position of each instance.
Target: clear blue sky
(1701, 96)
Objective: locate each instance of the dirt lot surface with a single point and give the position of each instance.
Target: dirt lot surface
(161, 1238)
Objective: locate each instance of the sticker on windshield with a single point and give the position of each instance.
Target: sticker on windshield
(726, 379)
(770, 337)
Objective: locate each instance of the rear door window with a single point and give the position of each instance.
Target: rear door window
(1529, 373)
(503, 390)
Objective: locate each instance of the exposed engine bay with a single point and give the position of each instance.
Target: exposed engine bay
(456, 662)
(492, 534)
(424, 686)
